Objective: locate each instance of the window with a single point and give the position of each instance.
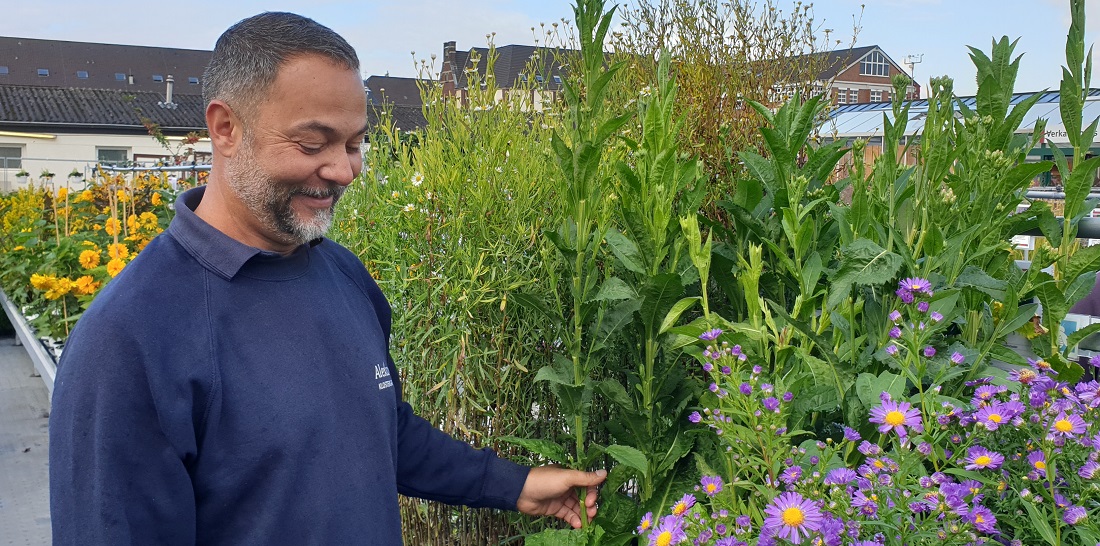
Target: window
(874, 64)
(539, 78)
(11, 157)
(557, 80)
(82, 74)
(120, 77)
(842, 96)
(3, 71)
(876, 96)
(853, 96)
(158, 78)
(43, 72)
(112, 156)
(193, 80)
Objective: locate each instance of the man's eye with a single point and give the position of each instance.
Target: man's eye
(310, 149)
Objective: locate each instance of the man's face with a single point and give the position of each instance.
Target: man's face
(300, 149)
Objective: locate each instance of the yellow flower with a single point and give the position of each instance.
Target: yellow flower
(89, 259)
(62, 193)
(97, 227)
(132, 222)
(112, 226)
(115, 266)
(86, 195)
(149, 220)
(89, 244)
(156, 200)
(42, 282)
(85, 285)
(60, 287)
(118, 251)
(123, 197)
(18, 248)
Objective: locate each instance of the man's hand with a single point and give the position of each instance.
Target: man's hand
(552, 491)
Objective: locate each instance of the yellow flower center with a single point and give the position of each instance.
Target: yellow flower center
(1063, 425)
(679, 509)
(664, 539)
(995, 418)
(879, 464)
(645, 524)
(793, 516)
(894, 418)
(1040, 465)
(978, 518)
(711, 487)
(983, 460)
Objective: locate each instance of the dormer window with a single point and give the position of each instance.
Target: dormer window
(43, 72)
(3, 71)
(557, 80)
(120, 77)
(193, 80)
(158, 78)
(82, 74)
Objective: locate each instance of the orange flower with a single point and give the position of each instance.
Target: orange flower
(89, 259)
(156, 200)
(85, 285)
(60, 287)
(112, 226)
(42, 282)
(118, 251)
(115, 266)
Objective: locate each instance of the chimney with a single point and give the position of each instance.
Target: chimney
(448, 75)
(168, 94)
(130, 79)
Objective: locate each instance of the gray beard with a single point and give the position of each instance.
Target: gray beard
(270, 201)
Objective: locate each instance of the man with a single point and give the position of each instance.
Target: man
(233, 384)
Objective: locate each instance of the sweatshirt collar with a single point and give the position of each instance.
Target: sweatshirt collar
(226, 256)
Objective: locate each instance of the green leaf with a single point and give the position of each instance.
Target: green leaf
(862, 263)
(1004, 354)
(614, 289)
(1073, 339)
(626, 251)
(678, 309)
(1084, 260)
(976, 278)
(658, 297)
(870, 387)
(1023, 314)
(615, 392)
(532, 303)
(543, 448)
(629, 456)
(1041, 523)
(563, 537)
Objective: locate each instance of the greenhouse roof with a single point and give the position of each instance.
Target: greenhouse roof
(866, 120)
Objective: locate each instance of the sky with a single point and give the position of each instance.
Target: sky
(386, 33)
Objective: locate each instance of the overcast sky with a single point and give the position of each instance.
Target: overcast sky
(385, 32)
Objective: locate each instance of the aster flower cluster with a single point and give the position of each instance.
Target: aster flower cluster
(913, 329)
(1017, 462)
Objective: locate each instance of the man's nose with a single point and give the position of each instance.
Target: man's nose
(341, 168)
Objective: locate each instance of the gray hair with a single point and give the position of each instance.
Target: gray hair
(247, 57)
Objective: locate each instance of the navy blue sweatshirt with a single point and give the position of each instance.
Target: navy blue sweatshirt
(219, 394)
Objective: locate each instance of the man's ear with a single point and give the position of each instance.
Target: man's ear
(225, 128)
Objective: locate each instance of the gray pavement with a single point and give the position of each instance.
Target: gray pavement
(24, 450)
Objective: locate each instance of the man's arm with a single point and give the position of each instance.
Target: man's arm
(115, 475)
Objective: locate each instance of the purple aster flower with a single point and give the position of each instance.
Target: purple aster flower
(743, 521)
(929, 351)
(766, 388)
(683, 505)
(1024, 375)
(771, 403)
(788, 396)
(916, 284)
(791, 474)
(895, 316)
(840, 477)
(713, 387)
(746, 389)
(1095, 361)
(922, 307)
(867, 506)
(936, 317)
(708, 367)
(957, 358)
(646, 523)
(851, 434)
(695, 417)
(711, 485)
(792, 517)
(895, 332)
(992, 416)
(896, 416)
(1066, 426)
(1089, 470)
(904, 295)
(756, 370)
(669, 531)
(982, 518)
(1074, 515)
(892, 350)
(869, 449)
(924, 448)
(710, 335)
(726, 370)
(980, 458)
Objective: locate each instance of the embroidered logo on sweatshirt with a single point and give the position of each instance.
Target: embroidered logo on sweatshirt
(380, 373)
